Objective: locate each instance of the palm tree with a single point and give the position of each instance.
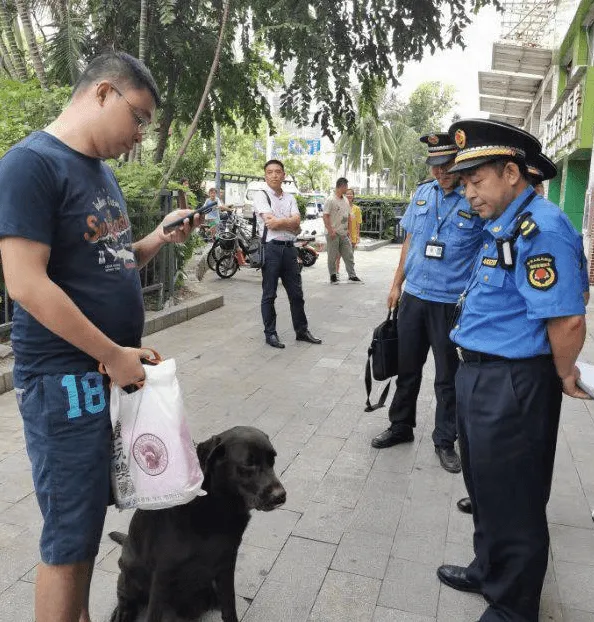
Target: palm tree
(136, 153)
(370, 139)
(6, 60)
(25, 17)
(13, 49)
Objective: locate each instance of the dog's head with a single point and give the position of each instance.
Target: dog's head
(240, 462)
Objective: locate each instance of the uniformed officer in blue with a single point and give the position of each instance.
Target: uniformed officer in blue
(519, 333)
(443, 238)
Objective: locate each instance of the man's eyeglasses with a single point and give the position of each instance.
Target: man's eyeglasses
(142, 123)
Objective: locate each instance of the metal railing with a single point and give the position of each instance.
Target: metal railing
(157, 277)
(380, 217)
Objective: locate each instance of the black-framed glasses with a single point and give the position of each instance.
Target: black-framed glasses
(142, 123)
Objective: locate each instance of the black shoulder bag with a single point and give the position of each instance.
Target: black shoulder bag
(256, 245)
(382, 358)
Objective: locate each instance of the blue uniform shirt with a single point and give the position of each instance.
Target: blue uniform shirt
(505, 312)
(449, 220)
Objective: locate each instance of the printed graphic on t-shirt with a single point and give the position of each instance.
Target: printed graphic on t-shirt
(108, 228)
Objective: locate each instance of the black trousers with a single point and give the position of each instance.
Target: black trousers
(281, 263)
(508, 418)
(423, 325)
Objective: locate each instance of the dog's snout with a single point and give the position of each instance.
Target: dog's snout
(278, 495)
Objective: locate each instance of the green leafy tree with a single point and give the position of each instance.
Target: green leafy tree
(313, 175)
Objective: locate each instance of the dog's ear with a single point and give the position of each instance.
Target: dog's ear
(209, 451)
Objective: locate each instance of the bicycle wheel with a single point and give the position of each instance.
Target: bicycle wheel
(227, 266)
(214, 254)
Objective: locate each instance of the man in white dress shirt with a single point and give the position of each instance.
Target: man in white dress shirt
(277, 211)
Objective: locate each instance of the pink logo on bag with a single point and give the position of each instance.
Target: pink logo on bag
(150, 454)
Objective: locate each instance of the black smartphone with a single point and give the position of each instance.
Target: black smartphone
(170, 226)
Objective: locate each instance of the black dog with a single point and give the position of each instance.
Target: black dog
(182, 559)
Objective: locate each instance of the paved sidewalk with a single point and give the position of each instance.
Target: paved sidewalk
(363, 530)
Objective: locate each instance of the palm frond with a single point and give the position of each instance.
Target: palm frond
(65, 49)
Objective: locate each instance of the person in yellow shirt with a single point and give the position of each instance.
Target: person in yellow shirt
(355, 220)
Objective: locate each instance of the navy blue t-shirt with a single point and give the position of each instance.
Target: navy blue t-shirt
(52, 194)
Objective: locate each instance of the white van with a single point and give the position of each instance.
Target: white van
(254, 187)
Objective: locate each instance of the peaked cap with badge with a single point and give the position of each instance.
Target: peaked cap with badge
(481, 140)
(541, 168)
(441, 148)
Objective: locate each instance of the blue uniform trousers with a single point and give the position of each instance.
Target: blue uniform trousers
(423, 324)
(281, 262)
(508, 417)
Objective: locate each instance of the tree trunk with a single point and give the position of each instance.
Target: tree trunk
(23, 11)
(15, 53)
(143, 28)
(164, 125)
(192, 129)
(7, 60)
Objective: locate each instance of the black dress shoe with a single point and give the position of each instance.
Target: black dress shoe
(393, 436)
(449, 459)
(307, 336)
(455, 577)
(273, 340)
(464, 505)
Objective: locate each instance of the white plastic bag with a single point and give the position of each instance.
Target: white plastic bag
(154, 463)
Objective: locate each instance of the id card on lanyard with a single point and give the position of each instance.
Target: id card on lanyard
(433, 248)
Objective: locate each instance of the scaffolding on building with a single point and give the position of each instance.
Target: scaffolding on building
(528, 22)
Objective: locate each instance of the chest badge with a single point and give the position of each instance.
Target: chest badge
(541, 271)
(464, 214)
(490, 262)
(421, 202)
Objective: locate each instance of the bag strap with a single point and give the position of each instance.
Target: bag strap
(265, 232)
(368, 380)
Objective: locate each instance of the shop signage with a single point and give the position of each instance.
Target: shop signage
(562, 128)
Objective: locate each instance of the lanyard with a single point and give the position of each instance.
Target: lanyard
(473, 280)
(441, 224)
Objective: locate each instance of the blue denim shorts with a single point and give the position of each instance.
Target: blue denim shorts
(68, 436)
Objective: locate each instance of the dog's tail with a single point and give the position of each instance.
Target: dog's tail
(118, 536)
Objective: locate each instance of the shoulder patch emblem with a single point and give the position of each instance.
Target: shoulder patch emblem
(490, 262)
(466, 215)
(528, 228)
(421, 202)
(541, 271)
(496, 229)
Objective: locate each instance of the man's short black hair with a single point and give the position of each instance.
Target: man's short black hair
(500, 163)
(184, 179)
(121, 69)
(273, 161)
(342, 181)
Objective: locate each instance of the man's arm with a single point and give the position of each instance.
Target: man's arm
(328, 225)
(396, 290)
(567, 336)
(145, 249)
(288, 224)
(24, 263)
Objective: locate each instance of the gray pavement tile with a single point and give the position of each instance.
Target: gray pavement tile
(283, 601)
(363, 553)
(345, 597)
(253, 565)
(352, 464)
(340, 489)
(574, 615)
(410, 586)
(569, 509)
(270, 530)
(575, 585)
(301, 485)
(301, 559)
(324, 521)
(16, 603)
(382, 614)
(571, 544)
(458, 554)
(341, 421)
(459, 606)
(319, 446)
(295, 432)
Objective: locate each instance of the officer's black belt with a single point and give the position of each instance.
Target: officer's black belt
(471, 356)
(281, 242)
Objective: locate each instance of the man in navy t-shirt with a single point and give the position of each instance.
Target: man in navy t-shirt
(72, 269)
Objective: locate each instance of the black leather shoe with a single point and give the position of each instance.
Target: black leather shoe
(307, 336)
(393, 436)
(455, 577)
(274, 341)
(464, 505)
(449, 459)
(355, 279)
